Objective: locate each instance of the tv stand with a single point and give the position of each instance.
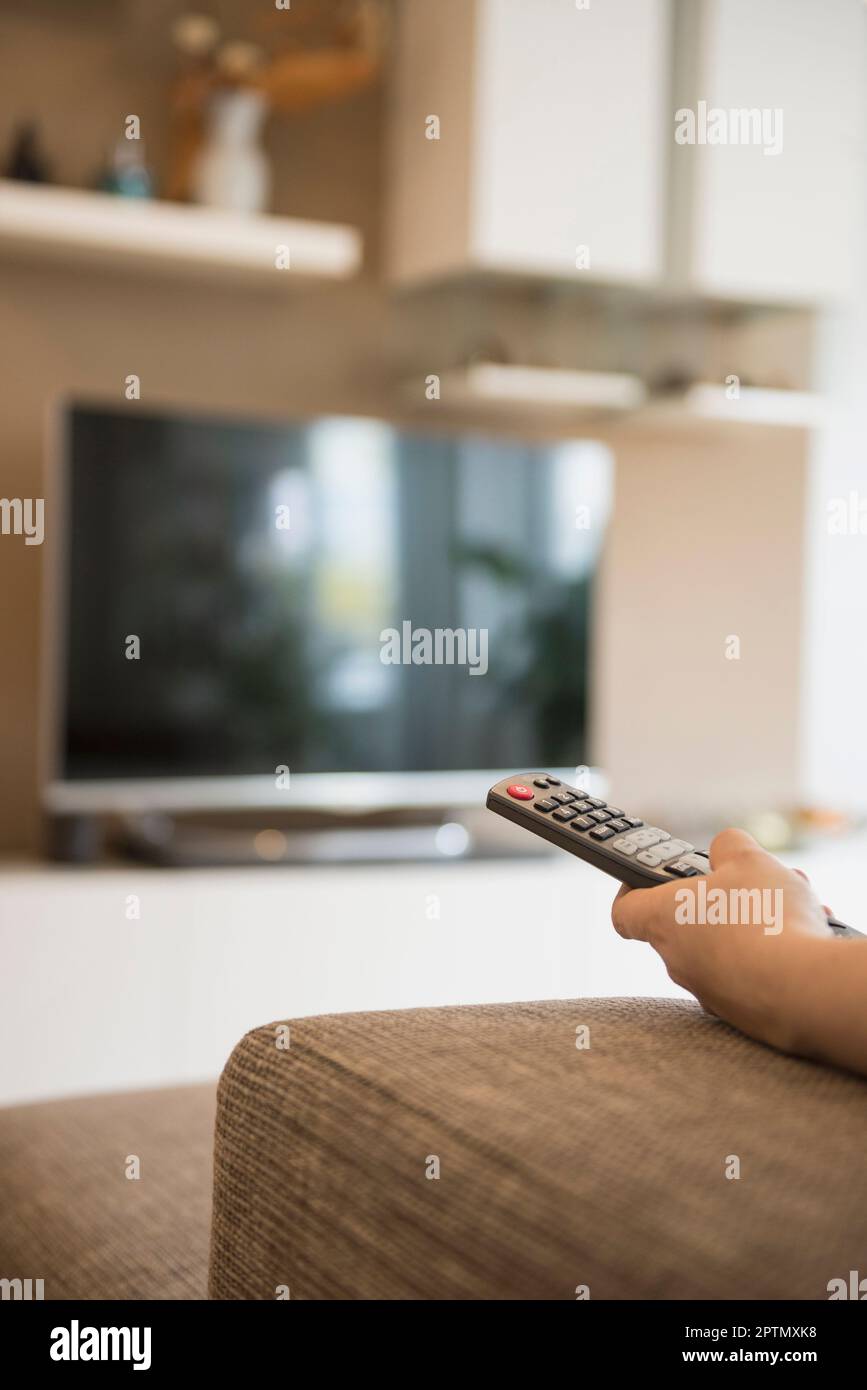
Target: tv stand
(232, 840)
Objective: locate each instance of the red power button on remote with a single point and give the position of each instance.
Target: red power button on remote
(520, 792)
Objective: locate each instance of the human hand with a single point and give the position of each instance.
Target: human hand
(739, 938)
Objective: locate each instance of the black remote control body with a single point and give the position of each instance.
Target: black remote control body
(621, 845)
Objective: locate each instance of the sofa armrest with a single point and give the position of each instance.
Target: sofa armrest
(559, 1166)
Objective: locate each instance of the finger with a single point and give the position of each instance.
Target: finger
(828, 911)
(632, 913)
(729, 844)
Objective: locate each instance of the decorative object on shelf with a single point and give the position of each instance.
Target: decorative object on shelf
(26, 161)
(231, 170)
(333, 65)
(126, 172)
(229, 86)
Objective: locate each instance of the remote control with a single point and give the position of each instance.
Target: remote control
(606, 837)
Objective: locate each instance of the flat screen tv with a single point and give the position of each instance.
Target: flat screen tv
(378, 610)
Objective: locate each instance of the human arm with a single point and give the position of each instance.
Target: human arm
(801, 988)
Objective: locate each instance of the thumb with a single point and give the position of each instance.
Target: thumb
(731, 844)
(632, 912)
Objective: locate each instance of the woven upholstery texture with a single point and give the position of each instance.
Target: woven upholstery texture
(559, 1166)
(70, 1216)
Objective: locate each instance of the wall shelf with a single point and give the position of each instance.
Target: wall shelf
(490, 389)
(509, 387)
(708, 403)
(138, 235)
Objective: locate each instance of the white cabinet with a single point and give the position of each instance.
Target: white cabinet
(551, 138)
(557, 152)
(766, 204)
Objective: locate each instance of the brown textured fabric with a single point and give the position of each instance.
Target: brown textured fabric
(559, 1167)
(70, 1216)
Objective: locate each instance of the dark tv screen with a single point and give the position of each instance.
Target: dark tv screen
(333, 595)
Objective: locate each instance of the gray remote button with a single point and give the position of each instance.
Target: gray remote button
(625, 844)
(698, 861)
(650, 835)
(650, 858)
(672, 849)
(680, 868)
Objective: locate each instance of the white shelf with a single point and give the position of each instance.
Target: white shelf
(710, 403)
(510, 387)
(756, 405)
(493, 388)
(169, 238)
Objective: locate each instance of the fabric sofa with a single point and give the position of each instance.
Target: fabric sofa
(534, 1151)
